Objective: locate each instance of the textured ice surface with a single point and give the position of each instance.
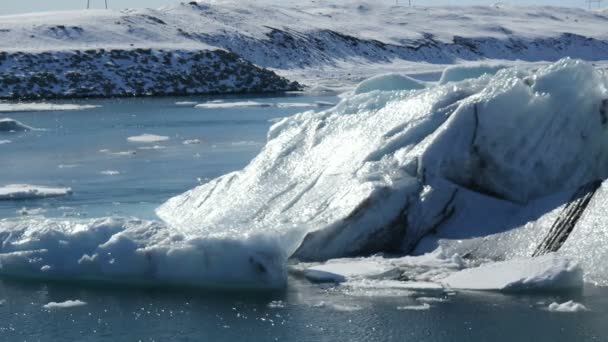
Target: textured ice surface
(463, 72)
(27, 191)
(388, 82)
(382, 169)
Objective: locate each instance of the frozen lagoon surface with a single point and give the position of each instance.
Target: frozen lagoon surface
(89, 152)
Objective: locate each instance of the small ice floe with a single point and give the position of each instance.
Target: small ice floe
(2, 302)
(431, 299)
(31, 211)
(191, 142)
(569, 306)
(548, 272)
(27, 191)
(67, 166)
(41, 107)
(119, 153)
(421, 307)
(245, 143)
(64, 305)
(153, 147)
(276, 304)
(338, 272)
(186, 103)
(337, 307)
(12, 125)
(148, 138)
(324, 104)
(110, 173)
(4, 142)
(225, 105)
(296, 105)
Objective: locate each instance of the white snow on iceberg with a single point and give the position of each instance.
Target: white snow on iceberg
(27, 191)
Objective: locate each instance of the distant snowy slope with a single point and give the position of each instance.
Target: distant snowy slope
(312, 40)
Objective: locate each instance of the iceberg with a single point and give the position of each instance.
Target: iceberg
(27, 191)
(569, 306)
(12, 125)
(378, 173)
(381, 170)
(388, 82)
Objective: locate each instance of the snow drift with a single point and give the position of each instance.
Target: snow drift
(376, 173)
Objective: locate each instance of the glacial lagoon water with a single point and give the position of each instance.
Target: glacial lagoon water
(88, 151)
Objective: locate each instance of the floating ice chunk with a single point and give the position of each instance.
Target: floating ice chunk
(119, 153)
(137, 252)
(324, 104)
(225, 105)
(569, 306)
(186, 103)
(276, 304)
(191, 142)
(41, 107)
(388, 82)
(31, 211)
(109, 173)
(153, 147)
(27, 191)
(148, 138)
(12, 125)
(421, 307)
(548, 272)
(295, 105)
(458, 73)
(337, 271)
(64, 305)
(4, 142)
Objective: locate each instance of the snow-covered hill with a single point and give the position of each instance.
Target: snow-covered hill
(318, 40)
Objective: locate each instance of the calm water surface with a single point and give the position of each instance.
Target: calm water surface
(76, 147)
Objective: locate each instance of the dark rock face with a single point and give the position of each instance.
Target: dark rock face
(137, 72)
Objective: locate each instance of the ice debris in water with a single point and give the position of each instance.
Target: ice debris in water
(375, 173)
(421, 307)
(569, 306)
(227, 105)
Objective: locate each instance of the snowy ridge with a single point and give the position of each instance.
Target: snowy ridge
(307, 41)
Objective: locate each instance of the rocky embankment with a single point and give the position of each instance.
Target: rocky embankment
(136, 72)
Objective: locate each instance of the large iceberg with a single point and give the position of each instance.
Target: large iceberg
(384, 168)
(392, 171)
